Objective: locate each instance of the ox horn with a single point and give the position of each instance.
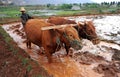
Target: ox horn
(86, 22)
(81, 23)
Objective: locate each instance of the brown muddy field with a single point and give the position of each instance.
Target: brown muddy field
(77, 64)
(17, 64)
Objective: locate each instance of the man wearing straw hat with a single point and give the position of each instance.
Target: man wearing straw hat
(24, 16)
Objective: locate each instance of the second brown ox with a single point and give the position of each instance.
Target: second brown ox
(85, 29)
(48, 38)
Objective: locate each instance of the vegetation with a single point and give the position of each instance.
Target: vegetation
(12, 11)
(21, 61)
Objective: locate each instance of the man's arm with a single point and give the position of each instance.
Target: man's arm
(29, 17)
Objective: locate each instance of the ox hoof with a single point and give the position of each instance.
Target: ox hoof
(29, 47)
(70, 53)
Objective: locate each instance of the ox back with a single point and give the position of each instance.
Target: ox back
(47, 38)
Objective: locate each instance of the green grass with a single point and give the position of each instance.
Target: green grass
(8, 40)
(12, 13)
(25, 61)
(74, 12)
(6, 36)
(37, 76)
(14, 49)
(29, 68)
(68, 12)
(9, 11)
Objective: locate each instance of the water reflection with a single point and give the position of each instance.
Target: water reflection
(43, 12)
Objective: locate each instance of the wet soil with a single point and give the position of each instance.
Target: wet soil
(17, 64)
(77, 64)
(108, 69)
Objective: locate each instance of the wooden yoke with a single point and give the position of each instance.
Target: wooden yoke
(57, 26)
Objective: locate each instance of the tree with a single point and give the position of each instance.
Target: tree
(112, 3)
(118, 4)
(48, 5)
(65, 6)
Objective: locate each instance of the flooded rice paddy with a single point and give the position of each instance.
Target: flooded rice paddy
(98, 60)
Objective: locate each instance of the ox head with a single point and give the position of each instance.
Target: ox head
(70, 37)
(87, 30)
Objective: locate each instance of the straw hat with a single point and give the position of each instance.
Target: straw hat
(22, 9)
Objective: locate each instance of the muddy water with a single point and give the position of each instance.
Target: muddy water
(65, 66)
(59, 68)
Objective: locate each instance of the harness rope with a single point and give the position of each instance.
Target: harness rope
(73, 42)
(58, 42)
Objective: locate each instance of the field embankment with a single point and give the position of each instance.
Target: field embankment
(15, 62)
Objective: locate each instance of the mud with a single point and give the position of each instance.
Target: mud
(14, 62)
(109, 70)
(116, 55)
(102, 60)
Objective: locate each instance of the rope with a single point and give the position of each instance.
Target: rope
(58, 43)
(73, 43)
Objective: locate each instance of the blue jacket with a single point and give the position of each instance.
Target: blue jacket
(24, 18)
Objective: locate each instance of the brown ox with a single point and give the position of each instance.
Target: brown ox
(60, 21)
(86, 29)
(48, 38)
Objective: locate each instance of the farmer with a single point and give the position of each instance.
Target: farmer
(24, 16)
